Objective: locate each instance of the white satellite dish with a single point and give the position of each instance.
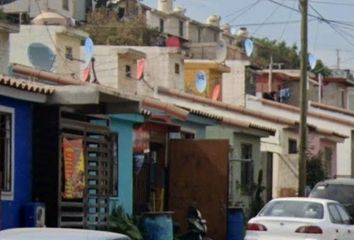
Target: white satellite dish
(312, 61)
(41, 56)
(88, 49)
(201, 81)
(248, 45)
(221, 51)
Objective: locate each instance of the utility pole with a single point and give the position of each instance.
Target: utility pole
(338, 59)
(270, 77)
(303, 98)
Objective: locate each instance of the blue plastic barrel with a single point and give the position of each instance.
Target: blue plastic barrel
(235, 225)
(157, 226)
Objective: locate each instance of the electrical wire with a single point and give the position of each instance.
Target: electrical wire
(247, 9)
(287, 23)
(268, 17)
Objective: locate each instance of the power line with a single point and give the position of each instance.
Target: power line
(269, 16)
(245, 11)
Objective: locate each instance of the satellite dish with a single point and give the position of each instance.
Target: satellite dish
(312, 61)
(201, 81)
(41, 56)
(221, 51)
(248, 45)
(88, 49)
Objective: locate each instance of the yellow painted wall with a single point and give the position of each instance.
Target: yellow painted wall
(213, 77)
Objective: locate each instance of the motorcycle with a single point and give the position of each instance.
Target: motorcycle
(196, 225)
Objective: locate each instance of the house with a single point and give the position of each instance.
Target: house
(337, 89)
(53, 48)
(78, 120)
(5, 30)
(281, 147)
(25, 10)
(283, 85)
(116, 66)
(199, 40)
(329, 124)
(17, 100)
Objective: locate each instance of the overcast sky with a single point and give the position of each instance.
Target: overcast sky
(279, 20)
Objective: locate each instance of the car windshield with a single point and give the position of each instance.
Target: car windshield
(299, 209)
(341, 193)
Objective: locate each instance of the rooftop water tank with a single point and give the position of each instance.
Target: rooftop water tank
(213, 20)
(165, 5)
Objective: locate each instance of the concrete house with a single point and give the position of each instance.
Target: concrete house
(28, 9)
(200, 40)
(53, 48)
(5, 30)
(117, 67)
(17, 100)
(338, 160)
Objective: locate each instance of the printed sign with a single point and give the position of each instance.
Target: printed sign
(74, 168)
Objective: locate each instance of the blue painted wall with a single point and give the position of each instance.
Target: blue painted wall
(123, 125)
(11, 210)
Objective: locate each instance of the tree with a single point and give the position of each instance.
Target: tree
(281, 53)
(106, 28)
(321, 69)
(315, 171)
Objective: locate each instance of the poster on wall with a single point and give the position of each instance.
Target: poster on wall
(74, 168)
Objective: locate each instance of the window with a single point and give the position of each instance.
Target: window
(342, 98)
(181, 28)
(127, 71)
(187, 135)
(66, 4)
(162, 25)
(292, 145)
(6, 151)
(177, 68)
(343, 214)
(246, 168)
(334, 214)
(69, 53)
(199, 35)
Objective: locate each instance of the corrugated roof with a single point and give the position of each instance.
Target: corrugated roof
(26, 85)
(203, 114)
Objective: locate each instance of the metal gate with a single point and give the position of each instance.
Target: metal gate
(199, 172)
(92, 210)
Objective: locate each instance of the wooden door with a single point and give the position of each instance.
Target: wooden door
(198, 171)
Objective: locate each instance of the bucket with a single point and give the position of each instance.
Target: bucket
(157, 226)
(235, 224)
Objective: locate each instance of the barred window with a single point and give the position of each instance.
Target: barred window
(6, 158)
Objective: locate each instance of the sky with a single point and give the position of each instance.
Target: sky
(330, 25)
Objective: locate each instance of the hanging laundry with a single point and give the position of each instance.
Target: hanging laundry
(284, 94)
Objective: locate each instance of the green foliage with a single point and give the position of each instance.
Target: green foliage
(281, 53)
(321, 68)
(257, 202)
(105, 28)
(315, 171)
(122, 223)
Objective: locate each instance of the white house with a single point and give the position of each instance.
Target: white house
(5, 30)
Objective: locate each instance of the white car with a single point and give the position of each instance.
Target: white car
(58, 234)
(301, 219)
